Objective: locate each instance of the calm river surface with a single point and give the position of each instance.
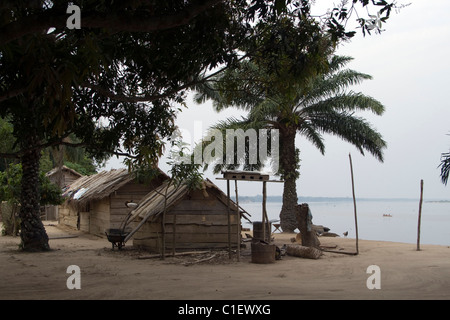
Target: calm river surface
(372, 225)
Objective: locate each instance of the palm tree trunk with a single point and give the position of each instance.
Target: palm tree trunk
(288, 165)
(33, 234)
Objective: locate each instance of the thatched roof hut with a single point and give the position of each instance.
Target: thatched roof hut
(96, 187)
(68, 176)
(98, 202)
(62, 178)
(194, 218)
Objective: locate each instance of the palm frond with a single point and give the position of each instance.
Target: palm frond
(313, 136)
(321, 105)
(213, 148)
(445, 167)
(354, 130)
(242, 87)
(350, 101)
(323, 87)
(205, 91)
(267, 110)
(338, 62)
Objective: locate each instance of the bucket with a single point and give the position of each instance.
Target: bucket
(263, 253)
(258, 231)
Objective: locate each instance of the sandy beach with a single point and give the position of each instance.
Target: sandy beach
(105, 274)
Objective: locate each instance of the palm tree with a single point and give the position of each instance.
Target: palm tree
(313, 108)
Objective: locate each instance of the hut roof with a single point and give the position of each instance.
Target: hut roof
(98, 186)
(64, 168)
(152, 205)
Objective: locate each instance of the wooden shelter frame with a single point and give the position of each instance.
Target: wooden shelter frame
(245, 176)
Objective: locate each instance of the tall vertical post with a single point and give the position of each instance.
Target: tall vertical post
(238, 223)
(420, 215)
(229, 220)
(354, 202)
(265, 220)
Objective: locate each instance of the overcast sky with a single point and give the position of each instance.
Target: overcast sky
(410, 66)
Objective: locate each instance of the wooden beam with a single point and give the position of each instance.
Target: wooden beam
(151, 256)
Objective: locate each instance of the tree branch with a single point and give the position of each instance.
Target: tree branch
(116, 22)
(149, 98)
(126, 98)
(14, 155)
(12, 93)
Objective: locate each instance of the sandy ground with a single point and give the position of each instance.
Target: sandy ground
(105, 274)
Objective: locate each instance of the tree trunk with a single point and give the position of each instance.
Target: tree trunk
(33, 234)
(58, 158)
(305, 225)
(288, 165)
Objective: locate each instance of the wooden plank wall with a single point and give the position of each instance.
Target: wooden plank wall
(85, 218)
(194, 223)
(69, 178)
(133, 192)
(99, 215)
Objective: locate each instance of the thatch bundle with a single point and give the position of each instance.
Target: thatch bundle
(96, 187)
(153, 204)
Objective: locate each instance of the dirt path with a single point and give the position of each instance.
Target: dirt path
(106, 274)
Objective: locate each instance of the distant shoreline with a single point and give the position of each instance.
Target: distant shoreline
(258, 198)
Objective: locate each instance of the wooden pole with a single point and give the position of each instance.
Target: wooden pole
(163, 228)
(174, 234)
(238, 223)
(229, 226)
(163, 223)
(354, 202)
(420, 215)
(265, 220)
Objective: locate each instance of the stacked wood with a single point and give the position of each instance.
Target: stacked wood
(303, 252)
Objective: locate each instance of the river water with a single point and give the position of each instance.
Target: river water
(400, 226)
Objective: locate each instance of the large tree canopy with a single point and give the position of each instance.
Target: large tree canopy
(115, 82)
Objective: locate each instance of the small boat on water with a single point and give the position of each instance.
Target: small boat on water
(387, 215)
